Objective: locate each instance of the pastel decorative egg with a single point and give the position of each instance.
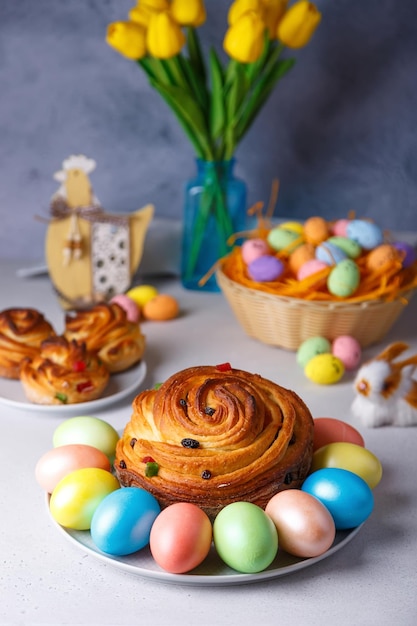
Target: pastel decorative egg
(382, 257)
(281, 239)
(344, 279)
(316, 230)
(142, 293)
(324, 369)
(311, 267)
(407, 252)
(329, 253)
(129, 306)
(367, 234)
(305, 252)
(339, 227)
(161, 308)
(87, 430)
(311, 347)
(350, 247)
(253, 248)
(331, 430)
(265, 268)
(346, 495)
(297, 227)
(348, 350)
(349, 456)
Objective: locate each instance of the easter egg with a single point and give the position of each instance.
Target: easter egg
(142, 294)
(122, 522)
(330, 430)
(130, 307)
(311, 347)
(346, 495)
(407, 252)
(367, 234)
(253, 248)
(245, 537)
(349, 456)
(316, 230)
(305, 526)
(90, 431)
(329, 253)
(344, 279)
(78, 494)
(265, 268)
(301, 255)
(348, 350)
(58, 462)
(324, 369)
(382, 257)
(297, 227)
(181, 537)
(339, 227)
(313, 266)
(282, 239)
(350, 247)
(161, 308)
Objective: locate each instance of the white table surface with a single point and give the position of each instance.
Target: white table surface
(46, 580)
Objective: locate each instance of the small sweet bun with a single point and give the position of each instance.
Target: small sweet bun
(22, 331)
(64, 372)
(212, 436)
(106, 331)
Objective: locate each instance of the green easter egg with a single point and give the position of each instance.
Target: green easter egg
(350, 247)
(344, 279)
(311, 347)
(282, 239)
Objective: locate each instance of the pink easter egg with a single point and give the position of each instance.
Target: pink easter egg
(348, 350)
(339, 227)
(130, 307)
(310, 267)
(254, 248)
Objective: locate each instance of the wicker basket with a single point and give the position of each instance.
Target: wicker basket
(287, 322)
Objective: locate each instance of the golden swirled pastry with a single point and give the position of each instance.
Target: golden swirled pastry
(216, 435)
(64, 372)
(22, 331)
(106, 330)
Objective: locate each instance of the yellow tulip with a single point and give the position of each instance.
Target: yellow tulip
(127, 38)
(273, 10)
(164, 37)
(244, 40)
(239, 7)
(142, 12)
(298, 24)
(188, 12)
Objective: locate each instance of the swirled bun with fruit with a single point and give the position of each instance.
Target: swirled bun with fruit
(216, 435)
(22, 331)
(63, 373)
(106, 330)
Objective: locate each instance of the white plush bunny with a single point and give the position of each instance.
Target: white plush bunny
(386, 393)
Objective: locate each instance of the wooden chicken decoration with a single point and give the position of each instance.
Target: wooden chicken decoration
(91, 255)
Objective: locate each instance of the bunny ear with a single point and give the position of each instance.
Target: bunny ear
(412, 360)
(392, 351)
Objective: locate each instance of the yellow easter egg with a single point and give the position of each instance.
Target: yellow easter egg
(324, 369)
(296, 227)
(142, 294)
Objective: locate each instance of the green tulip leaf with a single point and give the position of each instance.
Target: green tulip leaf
(217, 109)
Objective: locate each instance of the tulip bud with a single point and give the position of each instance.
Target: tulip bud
(239, 7)
(164, 36)
(244, 40)
(298, 24)
(188, 12)
(273, 10)
(128, 38)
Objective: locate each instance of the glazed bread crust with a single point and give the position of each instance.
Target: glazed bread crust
(217, 437)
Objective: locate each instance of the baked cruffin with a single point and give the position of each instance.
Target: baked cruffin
(106, 330)
(216, 435)
(64, 372)
(22, 331)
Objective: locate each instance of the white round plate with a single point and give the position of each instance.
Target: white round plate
(212, 572)
(120, 386)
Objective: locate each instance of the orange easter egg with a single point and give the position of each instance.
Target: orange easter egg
(316, 230)
(161, 308)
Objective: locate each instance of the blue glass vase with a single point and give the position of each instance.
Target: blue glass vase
(214, 209)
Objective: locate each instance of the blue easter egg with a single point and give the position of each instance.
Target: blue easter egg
(367, 234)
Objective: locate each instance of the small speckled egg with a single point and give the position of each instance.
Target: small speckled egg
(367, 234)
(284, 240)
(329, 253)
(344, 279)
(265, 269)
(316, 230)
(348, 350)
(161, 308)
(253, 248)
(339, 227)
(142, 294)
(129, 306)
(324, 369)
(297, 227)
(311, 347)
(311, 267)
(381, 257)
(304, 253)
(350, 247)
(408, 254)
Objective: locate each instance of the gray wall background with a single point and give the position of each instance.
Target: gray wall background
(340, 131)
